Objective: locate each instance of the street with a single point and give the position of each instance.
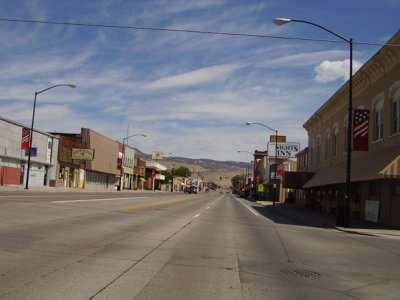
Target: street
(152, 245)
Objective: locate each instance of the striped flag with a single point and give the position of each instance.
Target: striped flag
(25, 138)
(360, 129)
(280, 170)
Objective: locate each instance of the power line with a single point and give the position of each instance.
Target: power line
(111, 26)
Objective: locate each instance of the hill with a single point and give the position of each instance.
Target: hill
(215, 171)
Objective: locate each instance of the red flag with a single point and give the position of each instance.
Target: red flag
(25, 138)
(360, 129)
(280, 170)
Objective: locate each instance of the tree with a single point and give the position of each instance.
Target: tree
(182, 172)
(168, 175)
(236, 180)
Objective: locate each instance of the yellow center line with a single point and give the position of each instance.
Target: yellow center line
(159, 203)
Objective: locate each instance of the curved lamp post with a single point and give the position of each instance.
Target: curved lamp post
(158, 154)
(119, 187)
(343, 216)
(31, 132)
(276, 158)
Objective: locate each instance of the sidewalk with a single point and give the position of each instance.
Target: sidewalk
(11, 188)
(320, 219)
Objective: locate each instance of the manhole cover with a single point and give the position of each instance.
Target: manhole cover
(302, 273)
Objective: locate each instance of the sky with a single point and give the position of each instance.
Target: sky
(189, 93)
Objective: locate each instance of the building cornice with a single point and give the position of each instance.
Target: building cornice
(387, 58)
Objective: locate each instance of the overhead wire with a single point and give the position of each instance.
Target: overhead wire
(133, 27)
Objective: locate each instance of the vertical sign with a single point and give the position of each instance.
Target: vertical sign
(360, 129)
(25, 138)
(49, 147)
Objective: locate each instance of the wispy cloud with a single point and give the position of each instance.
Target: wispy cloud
(195, 90)
(200, 76)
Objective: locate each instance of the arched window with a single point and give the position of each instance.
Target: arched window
(335, 132)
(378, 120)
(345, 128)
(318, 150)
(327, 145)
(395, 127)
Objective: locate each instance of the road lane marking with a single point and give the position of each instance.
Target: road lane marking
(95, 200)
(197, 215)
(160, 203)
(208, 207)
(248, 207)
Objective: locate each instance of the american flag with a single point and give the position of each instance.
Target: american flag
(360, 130)
(280, 170)
(25, 138)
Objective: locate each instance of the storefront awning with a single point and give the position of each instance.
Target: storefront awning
(295, 180)
(368, 167)
(392, 169)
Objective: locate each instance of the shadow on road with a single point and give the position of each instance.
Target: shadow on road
(290, 214)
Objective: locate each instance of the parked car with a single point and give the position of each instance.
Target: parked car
(192, 189)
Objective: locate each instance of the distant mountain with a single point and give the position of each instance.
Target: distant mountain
(215, 171)
(203, 162)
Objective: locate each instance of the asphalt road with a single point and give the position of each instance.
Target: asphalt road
(179, 246)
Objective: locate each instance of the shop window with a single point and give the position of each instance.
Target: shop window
(372, 188)
(61, 173)
(395, 187)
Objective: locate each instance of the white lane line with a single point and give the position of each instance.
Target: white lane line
(208, 207)
(248, 207)
(197, 215)
(95, 200)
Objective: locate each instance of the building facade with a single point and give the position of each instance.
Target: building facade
(70, 172)
(375, 183)
(102, 171)
(13, 159)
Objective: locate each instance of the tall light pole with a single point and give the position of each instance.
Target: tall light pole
(276, 157)
(121, 174)
(31, 132)
(254, 169)
(343, 215)
(158, 154)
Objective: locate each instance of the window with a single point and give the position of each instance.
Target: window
(345, 128)
(327, 145)
(311, 161)
(396, 112)
(372, 186)
(378, 121)
(395, 187)
(318, 154)
(334, 141)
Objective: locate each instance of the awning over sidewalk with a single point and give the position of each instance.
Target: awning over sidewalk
(371, 166)
(295, 180)
(392, 169)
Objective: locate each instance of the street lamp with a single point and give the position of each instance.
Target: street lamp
(31, 132)
(343, 217)
(119, 187)
(157, 155)
(276, 158)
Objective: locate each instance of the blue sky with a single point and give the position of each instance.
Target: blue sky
(189, 93)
